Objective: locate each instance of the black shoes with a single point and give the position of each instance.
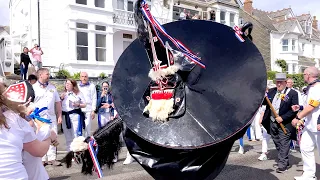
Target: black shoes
(281, 170)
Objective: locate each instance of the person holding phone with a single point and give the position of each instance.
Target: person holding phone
(105, 106)
(37, 52)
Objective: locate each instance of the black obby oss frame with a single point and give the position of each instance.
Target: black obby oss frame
(218, 104)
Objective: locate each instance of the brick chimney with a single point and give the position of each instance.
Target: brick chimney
(248, 6)
(315, 22)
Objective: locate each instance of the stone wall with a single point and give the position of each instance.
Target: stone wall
(261, 37)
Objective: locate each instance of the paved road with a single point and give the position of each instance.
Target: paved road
(238, 167)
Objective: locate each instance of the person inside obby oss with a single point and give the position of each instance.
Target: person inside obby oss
(309, 118)
(36, 52)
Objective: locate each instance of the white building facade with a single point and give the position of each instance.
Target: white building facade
(6, 65)
(298, 44)
(90, 35)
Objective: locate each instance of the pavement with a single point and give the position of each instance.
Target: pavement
(239, 166)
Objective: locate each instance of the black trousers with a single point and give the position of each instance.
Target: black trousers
(282, 142)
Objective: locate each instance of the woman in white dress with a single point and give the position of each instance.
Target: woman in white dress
(73, 118)
(16, 134)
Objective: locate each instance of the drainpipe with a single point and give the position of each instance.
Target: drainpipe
(39, 22)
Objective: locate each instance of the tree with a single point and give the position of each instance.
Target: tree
(283, 64)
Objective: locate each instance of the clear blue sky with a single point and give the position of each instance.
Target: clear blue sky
(298, 6)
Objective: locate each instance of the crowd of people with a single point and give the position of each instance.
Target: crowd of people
(77, 106)
(295, 122)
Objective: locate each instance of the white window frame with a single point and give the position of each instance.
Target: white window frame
(313, 49)
(118, 5)
(101, 32)
(293, 45)
(81, 3)
(223, 21)
(104, 4)
(132, 5)
(232, 23)
(82, 30)
(285, 46)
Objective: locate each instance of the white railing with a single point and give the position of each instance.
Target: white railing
(127, 18)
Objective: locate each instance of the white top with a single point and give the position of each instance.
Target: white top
(90, 95)
(33, 165)
(312, 118)
(46, 97)
(11, 145)
(70, 98)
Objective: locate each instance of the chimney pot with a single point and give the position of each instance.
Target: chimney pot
(248, 6)
(315, 23)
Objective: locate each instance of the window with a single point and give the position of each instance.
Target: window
(82, 25)
(177, 10)
(127, 36)
(126, 44)
(293, 45)
(130, 6)
(100, 28)
(308, 29)
(232, 20)
(313, 49)
(303, 47)
(99, 3)
(101, 47)
(285, 45)
(222, 17)
(84, 2)
(294, 66)
(82, 42)
(82, 46)
(120, 4)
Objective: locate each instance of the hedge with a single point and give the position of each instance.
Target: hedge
(297, 78)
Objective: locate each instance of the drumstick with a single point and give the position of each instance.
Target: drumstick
(275, 113)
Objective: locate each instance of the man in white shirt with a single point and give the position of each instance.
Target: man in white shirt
(90, 95)
(311, 134)
(46, 95)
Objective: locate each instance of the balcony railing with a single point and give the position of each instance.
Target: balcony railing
(127, 18)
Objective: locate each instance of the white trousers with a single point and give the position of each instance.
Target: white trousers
(71, 133)
(308, 142)
(88, 120)
(52, 152)
(255, 128)
(104, 118)
(265, 140)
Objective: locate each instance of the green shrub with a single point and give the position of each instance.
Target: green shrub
(76, 76)
(297, 78)
(271, 75)
(63, 74)
(102, 75)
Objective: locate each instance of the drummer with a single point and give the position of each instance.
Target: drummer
(282, 98)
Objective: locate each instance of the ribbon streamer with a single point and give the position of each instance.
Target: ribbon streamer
(93, 154)
(36, 115)
(158, 27)
(238, 33)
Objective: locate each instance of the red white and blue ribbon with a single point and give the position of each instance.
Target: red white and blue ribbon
(299, 132)
(93, 154)
(238, 33)
(158, 27)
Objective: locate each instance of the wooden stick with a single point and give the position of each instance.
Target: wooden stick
(275, 113)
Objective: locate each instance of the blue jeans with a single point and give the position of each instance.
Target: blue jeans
(23, 72)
